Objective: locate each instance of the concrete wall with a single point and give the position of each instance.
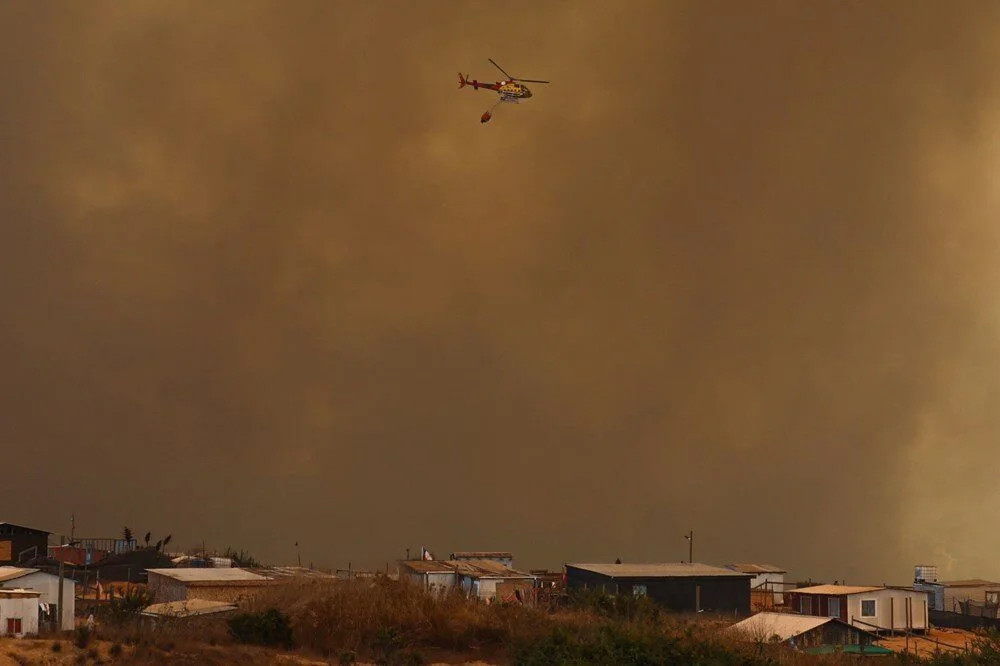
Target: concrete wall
(25, 608)
(48, 585)
(233, 594)
(164, 588)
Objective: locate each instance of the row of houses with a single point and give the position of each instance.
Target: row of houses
(736, 590)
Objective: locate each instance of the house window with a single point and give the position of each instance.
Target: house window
(867, 608)
(13, 626)
(833, 607)
(805, 605)
(993, 598)
(639, 590)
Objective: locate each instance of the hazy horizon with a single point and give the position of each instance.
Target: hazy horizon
(268, 279)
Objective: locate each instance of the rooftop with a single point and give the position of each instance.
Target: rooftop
(971, 582)
(783, 625)
(427, 566)
(472, 567)
(482, 554)
(187, 608)
(756, 568)
(836, 590)
(666, 570)
(24, 527)
(485, 569)
(209, 575)
(12, 573)
(14, 593)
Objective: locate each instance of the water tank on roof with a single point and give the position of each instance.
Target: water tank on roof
(924, 573)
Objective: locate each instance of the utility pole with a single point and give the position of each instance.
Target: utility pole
(690, 537)
(72, 526)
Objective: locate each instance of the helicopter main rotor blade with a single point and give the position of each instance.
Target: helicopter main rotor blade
(530, 80)
(501, 69)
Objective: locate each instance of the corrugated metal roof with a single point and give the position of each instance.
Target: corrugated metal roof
(485, 569)
(427, 566)
(972, 582)
(187, 608)
(835, 590)
(473, 568)
(12, 573)
(208, 574)
(756, 568)
(666, 570)
(292, 572)
(783, 625)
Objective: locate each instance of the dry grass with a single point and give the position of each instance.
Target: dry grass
(395, 623)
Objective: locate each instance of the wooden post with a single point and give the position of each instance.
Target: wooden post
(892, 614)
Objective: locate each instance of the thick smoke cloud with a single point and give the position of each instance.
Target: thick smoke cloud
(267, 279)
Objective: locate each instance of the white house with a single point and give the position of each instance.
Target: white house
(48, 586)
(18, 612)
(432, 575)
(868, 608)
(767, 580)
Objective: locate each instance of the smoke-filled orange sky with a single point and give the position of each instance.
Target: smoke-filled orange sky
(266, 278)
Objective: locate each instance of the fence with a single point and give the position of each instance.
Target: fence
(963, 621)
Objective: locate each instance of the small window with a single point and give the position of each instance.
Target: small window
(833, 607)
(867, 608)
(993, 598)
(13, 626)
(805, 605)
(638, 590)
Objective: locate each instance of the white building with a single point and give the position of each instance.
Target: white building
(18, 612)
(432, 575)
(767, 580)
(868, 608)
(48, 586)
(229, 584)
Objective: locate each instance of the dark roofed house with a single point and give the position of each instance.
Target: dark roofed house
(685, 586)
(22, 544)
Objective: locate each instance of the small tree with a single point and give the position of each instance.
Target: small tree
(129, 604)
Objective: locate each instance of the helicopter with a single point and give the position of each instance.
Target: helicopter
(512, 90)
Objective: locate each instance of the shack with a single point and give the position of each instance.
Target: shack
(685, 586)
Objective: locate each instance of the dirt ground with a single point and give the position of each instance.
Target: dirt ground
(945, 639)
(24, 651)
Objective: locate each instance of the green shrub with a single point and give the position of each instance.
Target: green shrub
(270, 627)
